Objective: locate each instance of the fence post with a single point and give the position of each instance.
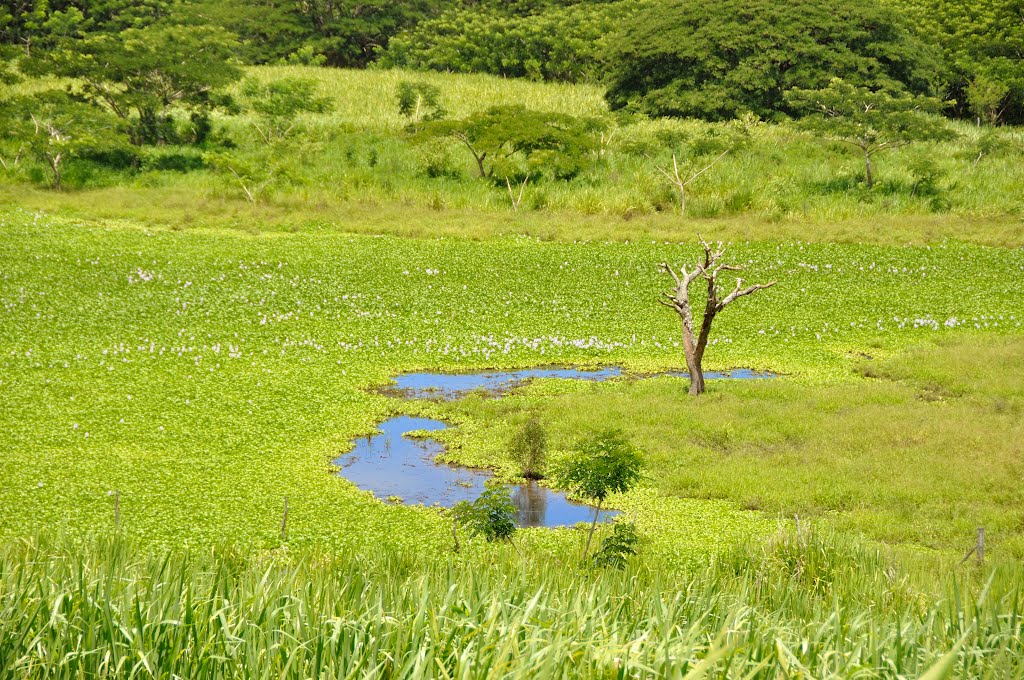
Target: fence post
(284, 521)
(978, 550)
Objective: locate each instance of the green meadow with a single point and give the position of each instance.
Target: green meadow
(176, 361)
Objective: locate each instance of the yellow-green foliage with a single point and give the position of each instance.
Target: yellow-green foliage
(368, 100)
(818, 605)
(208, 374)
(356, 160)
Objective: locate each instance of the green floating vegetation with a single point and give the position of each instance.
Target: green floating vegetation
(208, 375)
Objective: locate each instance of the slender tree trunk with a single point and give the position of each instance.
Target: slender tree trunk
(867, 170)
(678, 299)
(593, 526)
(697, 369)
(55, 165)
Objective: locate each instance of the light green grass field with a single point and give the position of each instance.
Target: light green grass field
(206, 358)
(206, 374)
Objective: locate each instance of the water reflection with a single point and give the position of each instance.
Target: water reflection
(394, 466)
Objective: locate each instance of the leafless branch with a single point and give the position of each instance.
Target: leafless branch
(516, 201)
(740, 291)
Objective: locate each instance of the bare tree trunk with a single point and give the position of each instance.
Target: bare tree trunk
(477, 156)
(867, 170)
(55, 166)
(678, 298)
(681, 183)
(693, 364)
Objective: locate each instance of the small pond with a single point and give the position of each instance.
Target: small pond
(450, 386)
(390, 464)
(395, 466)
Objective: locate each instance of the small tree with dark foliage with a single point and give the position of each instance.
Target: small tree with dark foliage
(605, 464)
(492, 515)
(617, 547)
(528, 448)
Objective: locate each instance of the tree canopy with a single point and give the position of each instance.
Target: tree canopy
(872, 122)
(984, 45)
(140, 72)
(720, 59)
(536, 39)
(515, 142)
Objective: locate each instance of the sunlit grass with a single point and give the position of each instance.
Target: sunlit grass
(923, 461)
(209, 374)
(356, 159)
(816, 603)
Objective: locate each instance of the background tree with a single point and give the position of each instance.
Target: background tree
(677, 298)
(278, 104)
(984, 46)
(352, 33)
(872, 122)
(139, 74)
(419, 102)
(718, 59)
(56, 128)
(605, 464)
(515, 142)
(988, 98)
(535, 39)
(268, 31)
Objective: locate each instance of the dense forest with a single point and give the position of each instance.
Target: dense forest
(733, 57)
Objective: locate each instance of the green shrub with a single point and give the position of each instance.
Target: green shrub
(528, 449)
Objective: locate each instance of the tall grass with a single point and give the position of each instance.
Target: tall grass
(800, 606)
(355, 157)
(367, 100)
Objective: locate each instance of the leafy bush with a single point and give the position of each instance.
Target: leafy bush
(174, 160)
(436, 159)
(515, 142)
(618, 547)
(277, 103)
(528, 449)
(492, 515)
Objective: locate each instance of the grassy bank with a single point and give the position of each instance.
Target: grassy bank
(922, 452)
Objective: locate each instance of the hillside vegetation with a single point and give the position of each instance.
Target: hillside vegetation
(356, 160)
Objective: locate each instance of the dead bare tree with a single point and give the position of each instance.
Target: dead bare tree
(54, 151)
(253, 189)
(680, 183)
(516, 202)
(678, 298)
